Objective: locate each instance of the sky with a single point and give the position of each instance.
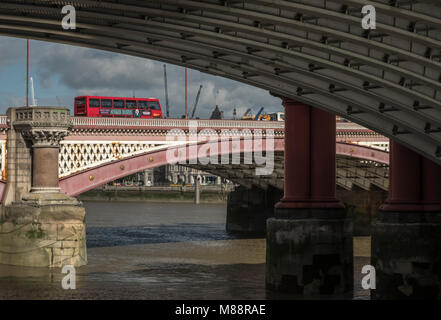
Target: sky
(65, 72)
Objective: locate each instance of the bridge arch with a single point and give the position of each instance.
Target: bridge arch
(385, 79)
(91, 178)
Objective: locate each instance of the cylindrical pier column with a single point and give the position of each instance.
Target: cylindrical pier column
(197, 191)
(309, 241)
(310, 163)
(404, 180)
(45, 169)
(297, 144)
(431, 174)
(44, 127)
(323, 158)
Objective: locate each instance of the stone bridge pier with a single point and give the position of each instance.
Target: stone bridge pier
(309, 241)
(40, 226)
(406, 238)
(248, 209)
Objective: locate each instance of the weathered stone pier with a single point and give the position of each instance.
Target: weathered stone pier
(40, 226)
(309, 241)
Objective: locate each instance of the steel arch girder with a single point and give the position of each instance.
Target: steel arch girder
(235, 77)
(126, 6)
(331, 65)
(271, 75)
(396, 104)
(383, 127)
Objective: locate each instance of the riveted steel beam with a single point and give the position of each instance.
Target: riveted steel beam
(277, 58)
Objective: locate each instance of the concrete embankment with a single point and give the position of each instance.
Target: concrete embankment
(208, 194)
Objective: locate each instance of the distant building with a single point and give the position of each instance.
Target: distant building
(180, 174)
(217, 114)
(169, 174)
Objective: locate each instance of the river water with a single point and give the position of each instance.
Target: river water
(156, 251)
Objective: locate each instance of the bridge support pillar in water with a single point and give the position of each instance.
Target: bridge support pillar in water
(248, 209)
(309, 241)
(40, 226)
(197, 191)
(406, 238)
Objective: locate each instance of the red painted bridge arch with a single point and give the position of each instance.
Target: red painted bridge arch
(91, 178)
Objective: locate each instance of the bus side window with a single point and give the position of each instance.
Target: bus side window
(131, 104)
(106, 103)
(80, 101)
(118, 103)
(94, 103)
(154, 105)
(142, 104)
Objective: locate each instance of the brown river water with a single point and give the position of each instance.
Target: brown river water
(160, 251)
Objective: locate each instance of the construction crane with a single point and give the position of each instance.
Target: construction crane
(247, 115)
(258, 114)
(262, 116)
(196, 102)
(166, 92)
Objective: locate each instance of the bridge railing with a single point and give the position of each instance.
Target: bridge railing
(350, 126)
(3, 121)
(182, 123)
(174, 123)
(120, 122)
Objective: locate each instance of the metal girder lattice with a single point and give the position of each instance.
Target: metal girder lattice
(77, 156)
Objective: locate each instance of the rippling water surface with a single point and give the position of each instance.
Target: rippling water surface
(153, 251)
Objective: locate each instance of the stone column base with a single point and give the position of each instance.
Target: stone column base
(43, 230)
(45, 190)
(406, 253)
(309, 257)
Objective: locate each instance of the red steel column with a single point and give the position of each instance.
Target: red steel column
(323, 159)
(414, 182)
(405, 180)
(431, 186)
(310, 165)
(297, 153)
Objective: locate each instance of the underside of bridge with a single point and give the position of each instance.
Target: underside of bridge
(316, 56)
(352, 173)
(315, 52)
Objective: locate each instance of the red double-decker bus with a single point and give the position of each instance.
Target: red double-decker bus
(117, 107)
